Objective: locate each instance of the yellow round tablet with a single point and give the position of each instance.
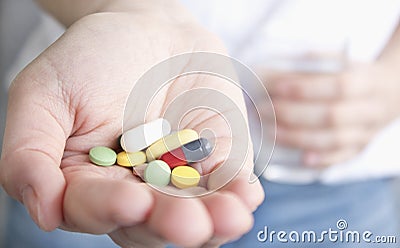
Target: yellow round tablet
(185, 177)
(130, 159)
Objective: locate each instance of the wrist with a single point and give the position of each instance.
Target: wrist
(70, 11)
(173, 10)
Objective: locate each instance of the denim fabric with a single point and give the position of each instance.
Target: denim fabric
(365, 206)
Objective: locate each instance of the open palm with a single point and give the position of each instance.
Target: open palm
(72, 98)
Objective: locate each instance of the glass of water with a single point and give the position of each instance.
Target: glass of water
(280, 56)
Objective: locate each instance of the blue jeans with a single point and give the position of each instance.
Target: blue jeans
(366, 206)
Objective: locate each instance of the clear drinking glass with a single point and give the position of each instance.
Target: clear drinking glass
(283, 55)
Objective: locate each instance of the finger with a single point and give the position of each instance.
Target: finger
(239, 162)
(35, 134)
(182, 221)
(328, 158)
(34, 179)
(231, 217)
(139, 236)
(98, 204)
(303, 86)
(314, 86)
(220, 139)
(324, 139)
(292, 113)
(251, 194)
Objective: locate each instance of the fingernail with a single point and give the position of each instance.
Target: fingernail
(30, 201)
(215, 242)
(253, 178)
(311, 159)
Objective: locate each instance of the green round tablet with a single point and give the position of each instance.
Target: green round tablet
(103, 156)
(157, 173)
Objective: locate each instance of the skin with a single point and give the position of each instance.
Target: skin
(59, 108)
(332, 117)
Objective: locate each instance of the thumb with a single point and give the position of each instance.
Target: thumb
(33, 147)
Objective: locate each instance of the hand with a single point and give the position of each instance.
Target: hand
(71, 98)
(331, 117)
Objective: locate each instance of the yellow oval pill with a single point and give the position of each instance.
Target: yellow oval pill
(130, 159)
(170, 142)
(185, 177)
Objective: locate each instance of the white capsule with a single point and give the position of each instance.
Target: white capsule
(142, 136)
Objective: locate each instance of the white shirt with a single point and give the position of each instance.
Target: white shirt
(255, 31)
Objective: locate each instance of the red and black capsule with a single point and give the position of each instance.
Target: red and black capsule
(189, 153)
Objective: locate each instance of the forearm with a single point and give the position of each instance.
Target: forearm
(69, 11)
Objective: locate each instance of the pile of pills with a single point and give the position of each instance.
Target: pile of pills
(169, 155)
